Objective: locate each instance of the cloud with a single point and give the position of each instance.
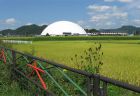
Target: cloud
(41, 24)
(126, 1)
(10, 21)
(81, 22)
(94, 9)
(109, 0)
(109, 20)
(29, 23)
(98, 18)
(137, 21)
(120, 15)
(138, 6)
(108, 16)
(114, 13)
(109, 23)
(99, 8)
(133, 5)
(123, 1)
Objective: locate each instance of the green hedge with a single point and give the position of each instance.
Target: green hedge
(67, 38)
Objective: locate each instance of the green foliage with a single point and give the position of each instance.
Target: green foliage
(91, 60)
(27, 30)
(7, 86)
(91, 30)
(117, 91)
(74, 38)
(6, 32)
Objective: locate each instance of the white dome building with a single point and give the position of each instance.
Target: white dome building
(63, 28)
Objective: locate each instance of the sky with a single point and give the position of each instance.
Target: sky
(99, 14)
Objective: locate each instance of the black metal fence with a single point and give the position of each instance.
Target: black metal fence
(47, 78)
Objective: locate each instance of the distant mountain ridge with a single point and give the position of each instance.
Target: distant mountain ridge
(125, 29)
(26, 30)
(32, 30)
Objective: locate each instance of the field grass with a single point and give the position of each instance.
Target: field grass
(7, 86)
(121, 58)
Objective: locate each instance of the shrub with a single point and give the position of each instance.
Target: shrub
(91, 60)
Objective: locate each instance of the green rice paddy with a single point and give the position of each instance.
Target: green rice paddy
(121, 57)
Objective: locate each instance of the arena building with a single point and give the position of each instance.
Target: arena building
(65, 28)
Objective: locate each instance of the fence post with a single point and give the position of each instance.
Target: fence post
(96, 85)
(88, 86)
(14, 58)
(104, 88)
(13, 63)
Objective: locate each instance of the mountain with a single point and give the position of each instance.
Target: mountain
(27, 30)
(126, 29)
(31, 30)
(7, 32)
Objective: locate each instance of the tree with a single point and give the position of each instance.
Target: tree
(91, 30)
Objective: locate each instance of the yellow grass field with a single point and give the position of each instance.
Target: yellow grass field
(121, 58)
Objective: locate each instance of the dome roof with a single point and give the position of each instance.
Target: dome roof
(62, 28)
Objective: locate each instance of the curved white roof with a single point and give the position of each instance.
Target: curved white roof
(60, 27)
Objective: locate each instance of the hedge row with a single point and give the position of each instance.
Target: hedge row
(68, 38)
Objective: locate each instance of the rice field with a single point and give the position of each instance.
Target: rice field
(121, 58)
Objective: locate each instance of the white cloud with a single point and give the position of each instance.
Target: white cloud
(115, 14)
(99, 8)
(10, 21)
(137, 21)
(94, 9)
(98, 18)
(43, 24)
(29, 23)
(109, 16)
(104, 24)
(81, 22)
(102, 16)
(109, 0)
(133, 5)
(102, 8)
(87, 27)
(123, 1)
(120, 15)
(138, 6)
(109, 23)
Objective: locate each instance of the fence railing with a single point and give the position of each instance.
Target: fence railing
(47, 78)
